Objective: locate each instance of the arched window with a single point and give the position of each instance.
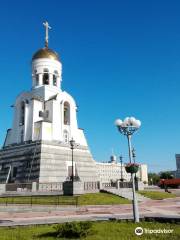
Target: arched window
(66, 113)
(46, 76)
(54, 80)
(55, 76)
(66, 136)
(22, 113)
(36, 75)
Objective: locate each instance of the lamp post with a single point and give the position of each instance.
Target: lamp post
(72, 145)
(134, 154)
(120, 158)
(127, 128)
(134, 160)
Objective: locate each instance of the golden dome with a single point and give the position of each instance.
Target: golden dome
(45, 53)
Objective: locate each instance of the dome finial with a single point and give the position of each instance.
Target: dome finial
(47, 27)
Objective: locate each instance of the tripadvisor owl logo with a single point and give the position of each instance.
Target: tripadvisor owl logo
(139, 231)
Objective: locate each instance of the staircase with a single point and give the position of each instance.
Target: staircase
(126, 193)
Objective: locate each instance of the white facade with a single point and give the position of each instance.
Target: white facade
(109, 172)
(46, 112)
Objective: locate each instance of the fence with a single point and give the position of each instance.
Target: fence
(55, 200)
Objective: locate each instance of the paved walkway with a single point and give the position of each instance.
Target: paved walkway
(126, 193)
(13, 215)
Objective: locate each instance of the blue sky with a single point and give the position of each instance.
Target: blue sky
(120, 58)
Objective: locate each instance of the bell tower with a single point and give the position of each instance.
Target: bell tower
(46, 70)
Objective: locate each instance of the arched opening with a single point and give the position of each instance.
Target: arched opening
(66, 113)
(22, 113)
(46, 76)
(66, 136)
(55, 76)
(36, 75)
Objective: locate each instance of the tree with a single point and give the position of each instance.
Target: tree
(166, 175)
(153, 178)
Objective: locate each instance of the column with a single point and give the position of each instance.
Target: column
(40, 79)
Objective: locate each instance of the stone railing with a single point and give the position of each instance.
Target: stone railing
(108, 185)
(91, 187)
(87, 187)
(116, 184)
(50, 187)
(124, 184)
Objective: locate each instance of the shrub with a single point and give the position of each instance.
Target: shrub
(74, 229)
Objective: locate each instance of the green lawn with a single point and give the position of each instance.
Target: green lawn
(86, 199)
(157, 195)
(101, 199)
(101, 231)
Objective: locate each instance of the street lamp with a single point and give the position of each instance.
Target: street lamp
(127, 128)
(134, 160)
(120, 157)
(134, 154)
(72, 145)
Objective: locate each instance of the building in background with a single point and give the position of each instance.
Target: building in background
(111, 171)
(177, 172)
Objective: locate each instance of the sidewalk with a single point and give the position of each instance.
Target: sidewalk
(15, 215)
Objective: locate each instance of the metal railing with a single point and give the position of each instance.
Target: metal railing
(56, 200)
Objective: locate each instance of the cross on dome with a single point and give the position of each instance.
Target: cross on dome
(46, 52)
(47, 27)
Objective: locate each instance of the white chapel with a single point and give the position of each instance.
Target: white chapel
(37, 148)
(46, 112)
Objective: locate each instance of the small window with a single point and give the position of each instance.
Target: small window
(54, 80)
(22, 114)
(66, 113)
(46, 78)
(55, 76)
